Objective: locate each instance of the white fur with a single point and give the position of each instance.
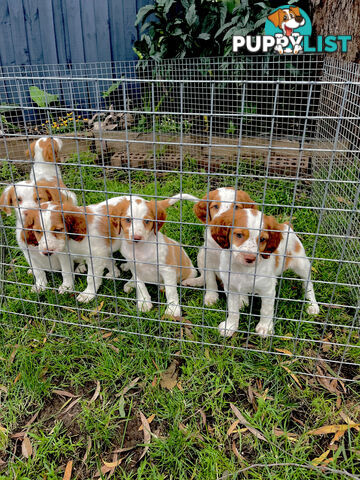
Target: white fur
(42, 170)
(241, 278)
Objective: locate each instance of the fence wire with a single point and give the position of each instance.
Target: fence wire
(133, 134)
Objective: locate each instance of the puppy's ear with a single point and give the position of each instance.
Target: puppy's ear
(272, 243)
(50, 150)
(31, 150)
(115, 220)
(221, 235)
(295, 11)
(277, 17)
(201, 210)
(27, 234)
(8, 199)
(243, 200)
(75, 222)
(158, 213)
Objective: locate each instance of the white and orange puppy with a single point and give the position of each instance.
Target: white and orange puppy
(256, 249)
(210, 209)
(27, 195)
(77, 234)
(45, 153)
(152, 257)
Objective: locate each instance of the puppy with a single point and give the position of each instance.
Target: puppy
(45, 153)
(255, 251)
(152, 257)
(74, 234)
(210, 209)
(28, 195)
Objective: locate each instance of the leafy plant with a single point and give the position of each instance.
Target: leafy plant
(194, 28)
(4, 121)
(41, 97)
(111, 89)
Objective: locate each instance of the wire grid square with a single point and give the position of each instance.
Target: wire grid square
(285, 129)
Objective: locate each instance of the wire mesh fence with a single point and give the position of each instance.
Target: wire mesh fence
(127, 136)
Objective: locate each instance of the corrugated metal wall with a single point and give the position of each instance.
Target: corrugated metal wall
(67, 31)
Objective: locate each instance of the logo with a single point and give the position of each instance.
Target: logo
(288, 31)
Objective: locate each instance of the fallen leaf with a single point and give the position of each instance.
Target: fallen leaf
(112, 465)
(96, 393)
(332, 429)
(338, 402)
(243, 420)
(150, 419)
(18, 434)
(153, 383)
(64, 393)
(72, 404)
(203, 416)
(292, 375)
(128, 387)
(347, 419)
(68, 470)
(107, 335)
(26, 447)
(232, 427)
(88, 448)
(169, 378)
(283, 350)
(17, 378)
(13, 353)
(86, 319)
(113, 348)
(236, 451)
(97, 309)
(318, 460)
(180, 386)
(279, 433)
(313, 269)
(147, 434)
(103, 471)
(3, 389)
(122, 407)
(2, 462)
(32, 420)
(182, 428)
(337, 436)
(326, 346)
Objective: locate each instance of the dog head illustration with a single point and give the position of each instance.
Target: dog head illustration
(287, 19)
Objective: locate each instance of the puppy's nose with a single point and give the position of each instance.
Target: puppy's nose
(249, 258)
(299, 19)
(47, 253)
(136, 238)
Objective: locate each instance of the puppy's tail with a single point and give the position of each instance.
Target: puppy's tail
(180, 196)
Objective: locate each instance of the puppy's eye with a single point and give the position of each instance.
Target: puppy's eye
(239, 235)
(19, 199)
(58, 230)
(262, 239)
(237, 207)
(216, 207)
(147, 222)
(127, 220)
(285, 17)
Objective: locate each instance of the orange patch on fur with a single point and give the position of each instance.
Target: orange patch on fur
(50, 150)
(177, 256)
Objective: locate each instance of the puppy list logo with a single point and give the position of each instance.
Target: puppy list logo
(287, 31)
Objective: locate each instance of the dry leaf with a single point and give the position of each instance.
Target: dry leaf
(122, 450)
(180, 386)
(3, 389)
(337, 436)
(32, 420)
(283, 350)
(113, 348)
(69, 407)
(147, 434)
(17, 378)
(96, 393)
(103, 471)
(188, 333)
(88, 448)
(153, 383)
(338, 401)
(169, 378)
(97, 309)
(318, 460)
(13, 353)
(203, 416)
(290, 436)
(182, 428)
(64, 393)
(292, 375)
(112, 465)
(68, 470)
(128, 387)
(150, 419)
(232, 427)
(107, 335)
(347, 419)
(332, 429)
(243, 420)
(26, 447)
(236, 451)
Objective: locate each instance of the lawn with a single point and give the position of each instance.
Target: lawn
(76, 380)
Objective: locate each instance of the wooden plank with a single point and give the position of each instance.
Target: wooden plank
(72, 18)
(117, 29)
(6, 41)
(130, 31)
(59, 30)
(17, 24)
(102, 31)
(47, 29)
(32, 24)
(89, 26)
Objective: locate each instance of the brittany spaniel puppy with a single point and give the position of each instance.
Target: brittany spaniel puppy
(45, 153)
(27, 195)
(255, 251)
(210, 209)
(71, 234)
(152, 257)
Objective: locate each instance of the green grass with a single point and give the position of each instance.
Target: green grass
(46, 347)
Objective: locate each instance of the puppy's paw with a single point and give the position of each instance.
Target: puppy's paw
(37, 288)
(264, 329)
(113, 273)
(125, 267)
(193, 282)
(128, 287)
(211, 298)
(313, 309)
(173, 311)
(85, 297)
(145, 305)
(228, 328)
(244, 301)
(81, 268)
(64, 288)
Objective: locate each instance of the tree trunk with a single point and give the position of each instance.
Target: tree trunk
(338, 17)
